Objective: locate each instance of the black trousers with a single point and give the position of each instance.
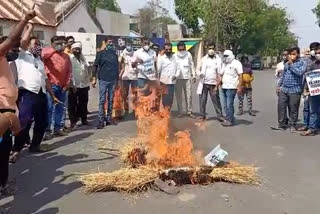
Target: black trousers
(32, 107)
(215, 98)
(291, 102)
(78, 104)
(5, 149)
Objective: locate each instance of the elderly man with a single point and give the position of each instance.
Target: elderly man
(79, 91)
(58, 68)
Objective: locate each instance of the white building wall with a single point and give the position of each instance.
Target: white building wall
(113, 23)
(88, 41)
(79, 18)
(48, 32)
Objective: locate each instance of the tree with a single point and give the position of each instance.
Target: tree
(153, 18)
(246, 26)
(316, 11)
(111, 5)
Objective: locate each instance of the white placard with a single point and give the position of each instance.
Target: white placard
(215, 156)
(313, 81)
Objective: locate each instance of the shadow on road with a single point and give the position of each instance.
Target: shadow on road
(42, 180)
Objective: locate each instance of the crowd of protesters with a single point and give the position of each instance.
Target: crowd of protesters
(39, 86)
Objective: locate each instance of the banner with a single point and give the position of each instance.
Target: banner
(120, 42)
(313, 81)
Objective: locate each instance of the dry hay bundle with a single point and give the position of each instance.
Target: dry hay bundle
(133, 154)
(236, 174)
(122, 180)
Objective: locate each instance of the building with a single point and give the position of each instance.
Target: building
(64, 17)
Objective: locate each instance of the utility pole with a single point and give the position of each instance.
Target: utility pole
(217, 25)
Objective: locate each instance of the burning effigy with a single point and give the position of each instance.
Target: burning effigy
(157, 155)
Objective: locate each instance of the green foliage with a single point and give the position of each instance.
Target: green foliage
(111, 5)
(246, 26)
(316, 11)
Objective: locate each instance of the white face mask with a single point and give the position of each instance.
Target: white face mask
(318, 57)
(211, 52)
(312, 53)
(146, 47)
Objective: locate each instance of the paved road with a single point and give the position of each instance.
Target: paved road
(46, 183)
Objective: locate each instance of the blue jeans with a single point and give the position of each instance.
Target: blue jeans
(228, 100)
(314, 112)
(306, 112)
(167, 96)
(141, 83)
(56, 111)
(104, 88)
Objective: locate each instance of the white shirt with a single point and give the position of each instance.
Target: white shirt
(279, 69)
(129, 72)
(31, 72)
(185, 65)
(211, 67)
(230, 74)
(146, 70)
(80, 72)
(167, 68)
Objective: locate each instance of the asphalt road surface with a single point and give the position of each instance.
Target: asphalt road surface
(289, 164)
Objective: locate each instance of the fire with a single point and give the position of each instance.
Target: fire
(153, 124)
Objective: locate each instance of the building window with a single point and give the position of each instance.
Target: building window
(39, 34)
(1, 31)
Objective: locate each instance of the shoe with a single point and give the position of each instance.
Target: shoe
(191, 115)
(293, 129)
(309, 133)
(48, 136)
(303, 129)
(100, 125)
(68, 130)
(180, 116)
(72, 126)
(227, 123)
(240, 113)
(14, 157)
(111, 122)
(36, 150)
(4, 191)
(202, 118)
(278, 128)
(252, 114)
(221, 119)
(60, 133)
(85, 123)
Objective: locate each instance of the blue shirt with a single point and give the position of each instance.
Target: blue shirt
(292, 79)
(108, 65)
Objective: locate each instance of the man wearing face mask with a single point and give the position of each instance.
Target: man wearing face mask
(167, 68)
(129, 77)
(306, 105)
(59, 69)
(210, 78)
(106, 67)
(186, 78)
(289, 90)
(146, 64)
(231, 73)
(78, 96)
(32, 100)
(314, 101)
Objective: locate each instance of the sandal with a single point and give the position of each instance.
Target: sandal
(14, 157)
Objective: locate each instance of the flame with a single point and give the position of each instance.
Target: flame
(154, 126)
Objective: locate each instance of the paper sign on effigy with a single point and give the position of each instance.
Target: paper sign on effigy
(313, 81)
(215, 156)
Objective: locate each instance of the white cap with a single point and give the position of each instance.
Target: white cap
(227, 53)
(76, 45)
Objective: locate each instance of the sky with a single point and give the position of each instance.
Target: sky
(304, 25)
